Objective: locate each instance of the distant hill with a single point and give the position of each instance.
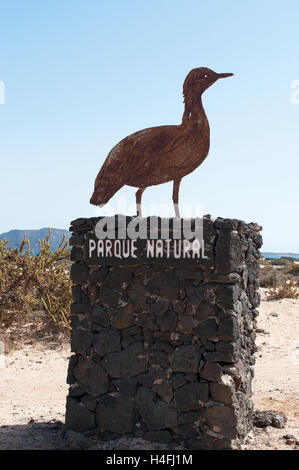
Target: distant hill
(268, 254)
(15, 237)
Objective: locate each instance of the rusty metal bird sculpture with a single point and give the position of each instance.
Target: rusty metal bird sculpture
(161, 154)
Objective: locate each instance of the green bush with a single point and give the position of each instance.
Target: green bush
(34, 287)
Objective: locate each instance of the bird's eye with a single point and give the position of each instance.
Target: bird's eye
(205, 76)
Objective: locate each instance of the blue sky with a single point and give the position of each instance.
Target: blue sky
(82, 75)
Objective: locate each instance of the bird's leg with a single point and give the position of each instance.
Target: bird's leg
(175, 196)
(138, 201)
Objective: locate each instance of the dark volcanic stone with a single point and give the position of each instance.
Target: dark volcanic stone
(155, 413)
(76, 391)
(108, 296)
(207, 329)
(159, 306)
(76, 253)
(100, 315)
(227, 295)
(118, 278)
(167, 321)
(190, 416)
(229, 253)
(211, 371)
(179, 307)
(123, 317)
(191, 273)
(147, 321)
(165, 284)
(220, 356)
(228, 328)
(80, 221)
(96, 276)
(178, 380)
(130, 362)
(205, 311)
(91, 377)
(221, 419)
(115, 413)
(159, 358)
(79, 272)
(76, 240)
(186, 358)
(127, 386)
(133, 330)
(127, 341)
(80, 341)
(107, 341)
(186, 324)
(262, 419)
(209, 443)
(226, 346)
(89, 402)
(163, 389)
(72, 362)
(190, 396)
(77, 322)
(223, 393)
(187, 431)
(231, 278)
(80, 308)
(163, 346)
(165, 353)
(78, 418)
(146, 379)
(196, 294)
(164, 437)
(137, 294)
(77, 293)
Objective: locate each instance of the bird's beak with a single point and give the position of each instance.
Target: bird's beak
(224, 75)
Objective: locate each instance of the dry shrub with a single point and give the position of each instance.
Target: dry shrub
(280, 262)
(286, 290)
(34, 288)
(294, 270)
(270, 277)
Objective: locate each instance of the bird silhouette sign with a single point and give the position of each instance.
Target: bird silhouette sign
(161, 154)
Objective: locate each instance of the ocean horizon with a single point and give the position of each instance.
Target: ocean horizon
(270, 254)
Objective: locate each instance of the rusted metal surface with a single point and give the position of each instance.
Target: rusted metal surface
(161, 154)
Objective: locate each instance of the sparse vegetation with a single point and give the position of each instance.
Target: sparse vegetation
(279, 278)
(288, 289)
(270, 277)
(280, 262)
(294, 270)
(35, 288)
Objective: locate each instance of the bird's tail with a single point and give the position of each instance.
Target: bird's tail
(102, 193)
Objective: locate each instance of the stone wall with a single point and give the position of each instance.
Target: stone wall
(165, 352)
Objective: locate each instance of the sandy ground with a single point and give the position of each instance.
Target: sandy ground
(276, 381)
(33, 385)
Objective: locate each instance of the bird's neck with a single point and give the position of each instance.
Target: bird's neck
(194, 113)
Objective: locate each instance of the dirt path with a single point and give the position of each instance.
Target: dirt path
(33, 385)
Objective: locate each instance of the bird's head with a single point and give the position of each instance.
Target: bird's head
(200, 79)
